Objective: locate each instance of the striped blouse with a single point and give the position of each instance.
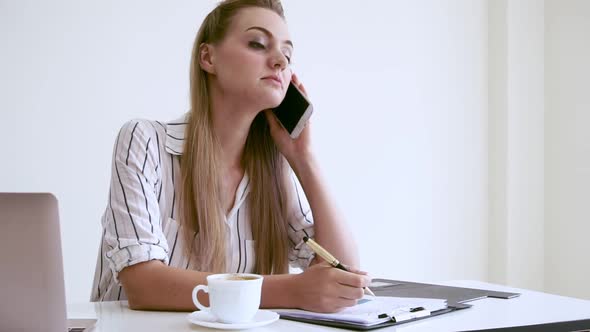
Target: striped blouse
(140, 222)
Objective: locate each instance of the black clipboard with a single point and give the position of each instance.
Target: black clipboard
(359, 327)
(455, 296)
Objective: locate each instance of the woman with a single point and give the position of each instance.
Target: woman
(220, 190)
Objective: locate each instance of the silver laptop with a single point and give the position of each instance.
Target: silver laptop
(32, 294)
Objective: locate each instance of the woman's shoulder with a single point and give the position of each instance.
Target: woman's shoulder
(143, 127)
(138, 137)
(167, 136)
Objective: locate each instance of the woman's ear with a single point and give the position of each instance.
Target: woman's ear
(206, 58)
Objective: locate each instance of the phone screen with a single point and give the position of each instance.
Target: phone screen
(291, 109)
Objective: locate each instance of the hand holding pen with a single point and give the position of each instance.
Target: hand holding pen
(329, 258)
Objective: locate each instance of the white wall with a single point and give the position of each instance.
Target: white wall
(567, 142)
(399, 87)
(409, 169)
(516, 123)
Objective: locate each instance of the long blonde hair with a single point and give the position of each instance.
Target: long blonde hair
(200, 200)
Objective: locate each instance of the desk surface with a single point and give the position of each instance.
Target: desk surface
(530, 308)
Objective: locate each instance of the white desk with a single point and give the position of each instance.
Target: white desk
(530, 308)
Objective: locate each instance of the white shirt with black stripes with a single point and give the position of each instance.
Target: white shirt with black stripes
(141, 223)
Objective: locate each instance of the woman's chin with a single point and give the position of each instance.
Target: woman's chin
(269, 103)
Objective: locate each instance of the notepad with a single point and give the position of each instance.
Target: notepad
(374, 310)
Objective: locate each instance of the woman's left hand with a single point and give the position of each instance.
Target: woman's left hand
(295, 150)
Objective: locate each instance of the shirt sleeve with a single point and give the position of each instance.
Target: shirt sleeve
(300, 221)
(131, 223)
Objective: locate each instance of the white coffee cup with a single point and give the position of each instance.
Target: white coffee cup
(233, 297)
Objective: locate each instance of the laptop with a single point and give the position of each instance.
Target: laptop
(32, 293)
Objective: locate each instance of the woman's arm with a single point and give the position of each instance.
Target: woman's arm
(330, 228)
(154, 285)
(331, 232)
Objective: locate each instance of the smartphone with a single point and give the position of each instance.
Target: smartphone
(294, 111)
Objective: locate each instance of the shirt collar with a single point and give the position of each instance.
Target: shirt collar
(175, 134)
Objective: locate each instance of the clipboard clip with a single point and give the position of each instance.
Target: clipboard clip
(405, 315)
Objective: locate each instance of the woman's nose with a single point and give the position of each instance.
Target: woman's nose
(279, 61)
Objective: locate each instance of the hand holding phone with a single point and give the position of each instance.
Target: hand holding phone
(294, 111)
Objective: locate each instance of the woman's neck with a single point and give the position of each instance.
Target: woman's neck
(231, 124)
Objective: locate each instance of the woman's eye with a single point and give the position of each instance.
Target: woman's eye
(260, 46)
(255, 44)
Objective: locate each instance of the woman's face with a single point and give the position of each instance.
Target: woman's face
(251, 64)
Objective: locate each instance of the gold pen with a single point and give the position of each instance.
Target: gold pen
(329, 258)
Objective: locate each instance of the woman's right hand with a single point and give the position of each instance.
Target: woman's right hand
(323, 288)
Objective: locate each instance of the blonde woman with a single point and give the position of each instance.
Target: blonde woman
(224, 188)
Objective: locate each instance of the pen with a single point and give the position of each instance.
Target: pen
(329, 258)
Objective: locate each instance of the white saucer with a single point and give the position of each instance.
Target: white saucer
(262, 317)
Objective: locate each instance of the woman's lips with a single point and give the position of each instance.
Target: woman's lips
(274, 79)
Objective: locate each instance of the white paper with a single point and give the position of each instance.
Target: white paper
(369, 309)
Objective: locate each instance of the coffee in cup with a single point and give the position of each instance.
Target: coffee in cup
(241, 277)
